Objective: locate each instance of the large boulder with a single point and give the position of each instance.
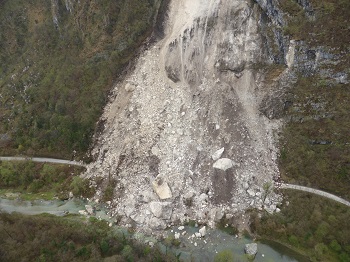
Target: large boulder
(129, 87)
(161, 210)
(162, 188)
(223, 164)
(251, 249)
(157, 224)
(90, 209)
(216, 214)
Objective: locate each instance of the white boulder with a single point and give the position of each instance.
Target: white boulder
(203, 231)
(216, 156)
(223, 164)
(162, 189)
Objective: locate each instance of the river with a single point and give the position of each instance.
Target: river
(191, 248)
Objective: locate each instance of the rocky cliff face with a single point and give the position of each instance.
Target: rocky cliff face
(191, 132)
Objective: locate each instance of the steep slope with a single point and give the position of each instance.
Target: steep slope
(191, 94)
(58, 60)
(315, 149)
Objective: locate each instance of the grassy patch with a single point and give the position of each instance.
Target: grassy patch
(224, 256)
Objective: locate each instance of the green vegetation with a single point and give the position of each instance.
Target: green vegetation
(55, 76)
(44, 181)
(108, 192)
(171, 241)
(225, 225)
(329, 27)
(313, 225)
(315, 146)
(51, 238)
(224, 256)
(315, 143)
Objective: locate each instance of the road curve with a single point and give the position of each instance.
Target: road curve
(316, 192)
(42, 160)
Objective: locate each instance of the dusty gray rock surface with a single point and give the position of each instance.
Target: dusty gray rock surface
(192, 93)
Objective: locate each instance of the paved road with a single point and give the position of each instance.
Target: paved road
(75, 163)
(42, 160)
(317, 192)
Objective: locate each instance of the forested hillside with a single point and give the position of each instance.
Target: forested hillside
(58, 60)
(315, 145)
(315, 149)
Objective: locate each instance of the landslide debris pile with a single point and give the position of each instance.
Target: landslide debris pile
(183, 136)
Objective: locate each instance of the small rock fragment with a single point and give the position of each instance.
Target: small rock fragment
(181, 228)
(129, 87)
(203, 231)
(216, 156)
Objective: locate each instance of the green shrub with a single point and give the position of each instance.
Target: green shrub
(109, 190)
(127, 253)
(104, 246)
(335, 246)
(224, 256)
(81, 187)
(293, 240)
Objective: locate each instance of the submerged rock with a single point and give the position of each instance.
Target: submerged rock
(90, 209)
(251, 249)
(83, 212)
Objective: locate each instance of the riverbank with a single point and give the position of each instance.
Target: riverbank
(69, 238)
(191, 246)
